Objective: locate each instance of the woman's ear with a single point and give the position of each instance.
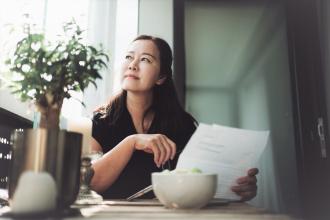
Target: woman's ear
(161, 80)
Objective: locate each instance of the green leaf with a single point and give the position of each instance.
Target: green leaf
(59, 59)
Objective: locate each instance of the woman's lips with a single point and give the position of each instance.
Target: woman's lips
(131, 76)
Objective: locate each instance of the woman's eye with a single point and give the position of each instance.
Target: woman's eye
(128, 57)
(145, 59)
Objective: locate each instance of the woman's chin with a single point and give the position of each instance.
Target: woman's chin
(129, 86)
(130, 89)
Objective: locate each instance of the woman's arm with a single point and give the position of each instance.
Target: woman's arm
(110, 165)
(108, 168)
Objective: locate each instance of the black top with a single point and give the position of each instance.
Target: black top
(137, 173)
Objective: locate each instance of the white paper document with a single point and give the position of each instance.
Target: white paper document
(226, 151)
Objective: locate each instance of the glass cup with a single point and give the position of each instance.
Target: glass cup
(86, 195)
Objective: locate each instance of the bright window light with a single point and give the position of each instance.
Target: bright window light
(61, 11)
(49, 15)
(57, 14)
(126, 31)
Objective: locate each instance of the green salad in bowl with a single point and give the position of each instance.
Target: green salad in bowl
(184, 188)
(183, 171)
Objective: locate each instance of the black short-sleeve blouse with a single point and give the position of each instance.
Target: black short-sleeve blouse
(137, 173)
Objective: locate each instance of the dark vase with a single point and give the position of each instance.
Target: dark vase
(57, 152)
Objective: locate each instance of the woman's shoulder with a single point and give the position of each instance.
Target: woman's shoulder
(112, 114)
(102, 129)
(104, 112)
(100, 117)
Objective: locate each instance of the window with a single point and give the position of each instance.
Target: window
(105, 21)
(44, 15)
(126, 13)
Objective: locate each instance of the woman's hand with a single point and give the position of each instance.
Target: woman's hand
(247, 185)
(161, 146)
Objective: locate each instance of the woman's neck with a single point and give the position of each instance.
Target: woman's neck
(137, 104)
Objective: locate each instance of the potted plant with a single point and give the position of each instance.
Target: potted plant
(47, 73)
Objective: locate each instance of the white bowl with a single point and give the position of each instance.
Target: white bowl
(184, 190)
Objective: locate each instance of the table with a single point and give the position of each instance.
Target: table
(153, 210)
(122, 211)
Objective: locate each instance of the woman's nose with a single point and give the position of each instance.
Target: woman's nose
(132, 66)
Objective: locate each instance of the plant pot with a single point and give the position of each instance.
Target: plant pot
(56, 152)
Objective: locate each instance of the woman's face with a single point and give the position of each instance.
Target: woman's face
(141, 68)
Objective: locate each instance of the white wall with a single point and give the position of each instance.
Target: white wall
(9, 102)
(212, 105)
(156, 18)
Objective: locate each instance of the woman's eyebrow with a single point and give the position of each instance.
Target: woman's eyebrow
(149, 55)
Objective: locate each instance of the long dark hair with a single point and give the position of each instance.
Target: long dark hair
(165, 102)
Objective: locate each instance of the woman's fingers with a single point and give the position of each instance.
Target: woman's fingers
(247, 185)
(162, 150)
(168, 147)
(173, 147)
(156, 152)
(250, 178)
(161, 146)
(246, 192)
(247, 180)
(253, 171)
(244, 188)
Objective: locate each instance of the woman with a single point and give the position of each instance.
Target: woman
(144, 128)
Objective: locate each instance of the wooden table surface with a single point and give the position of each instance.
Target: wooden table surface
(153, 210)
(113, 210)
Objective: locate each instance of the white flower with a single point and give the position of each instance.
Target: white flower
(35, 46)
(26, 68)
(46, 77)
(31, 93)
